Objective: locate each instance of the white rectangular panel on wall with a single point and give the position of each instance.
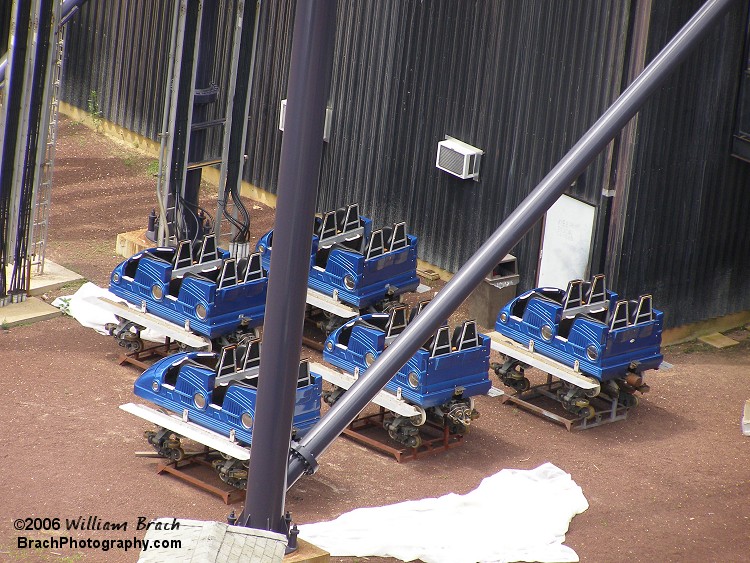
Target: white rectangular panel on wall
(566, 242)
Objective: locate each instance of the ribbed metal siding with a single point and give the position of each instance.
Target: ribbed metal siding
(685, 229)
(521, 80)
(269, 88)
(120, 50)
(4, 25)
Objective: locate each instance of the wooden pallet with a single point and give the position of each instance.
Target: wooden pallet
(227, 493)
(146, 356)
(130, 243)
(606, 409)
(368, 430)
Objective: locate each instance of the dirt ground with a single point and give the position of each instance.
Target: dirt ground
(670, 483)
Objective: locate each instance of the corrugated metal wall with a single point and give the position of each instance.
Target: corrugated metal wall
(4, 25)
(120, 51)
(407, 74)
(685, 229)
(520, 79)
(269, 88)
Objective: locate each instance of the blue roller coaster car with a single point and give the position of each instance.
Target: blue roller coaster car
(212, 295)
(588, 327)
(354, 264)
(218, 392)
(220, 395)
(441, 378)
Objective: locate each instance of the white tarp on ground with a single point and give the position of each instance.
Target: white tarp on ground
(84, 308)
(514, 515)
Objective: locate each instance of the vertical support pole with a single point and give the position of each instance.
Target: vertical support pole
(166, 144)
(19, 102)
(204, 93)
(38, 218)
(321, 436)
(24, 120)
(309, 78)
(183, 63)
(194, 31)
(235, 134)
(67, 9)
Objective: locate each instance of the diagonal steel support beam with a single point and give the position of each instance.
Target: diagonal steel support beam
(320, 437)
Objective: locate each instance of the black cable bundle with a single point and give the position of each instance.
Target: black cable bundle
(203, 220)
(12, 109)
(243, 225)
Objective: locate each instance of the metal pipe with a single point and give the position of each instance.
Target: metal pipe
(68, 8)
(235, 134)
(198, 137)
(299, 169)
(304, 454)
(162, 182)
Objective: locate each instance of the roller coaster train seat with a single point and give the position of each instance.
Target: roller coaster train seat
(444, 369)
(354, 263)
(587, 326)
(218, 391)
(210, 292)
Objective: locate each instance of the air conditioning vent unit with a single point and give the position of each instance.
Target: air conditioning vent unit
(459, 158)
(326, 127)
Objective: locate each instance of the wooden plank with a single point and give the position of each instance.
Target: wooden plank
(718, 340)
(505, 345)
(144, 318)
(132, 242)
(384, 398)
(307, 553)
(430, 275)
(188, 429)
(326, 303)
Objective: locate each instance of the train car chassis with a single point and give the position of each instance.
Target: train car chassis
(144, 357)
(586, 402)
(226, 456)
(603, 408)
(369, 430)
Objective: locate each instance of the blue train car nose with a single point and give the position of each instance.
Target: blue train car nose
(201, 290)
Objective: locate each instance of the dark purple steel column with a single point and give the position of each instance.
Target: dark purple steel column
(301, 152)
(204, 94)
(68, 7)
(321, 436)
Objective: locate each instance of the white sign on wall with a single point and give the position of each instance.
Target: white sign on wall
(566, 242)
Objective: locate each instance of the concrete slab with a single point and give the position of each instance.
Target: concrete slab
(53, 277)
(718, 340)
(210, 542)
(29, 311)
